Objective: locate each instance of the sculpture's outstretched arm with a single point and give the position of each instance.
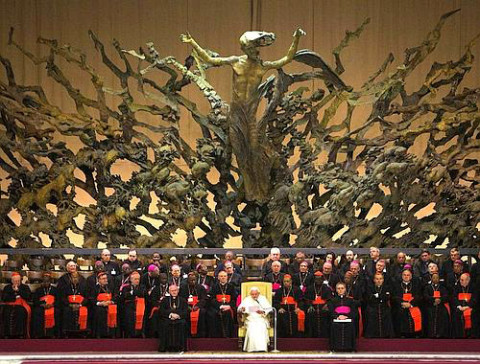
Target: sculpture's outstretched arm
(203, 54)
(291, 52)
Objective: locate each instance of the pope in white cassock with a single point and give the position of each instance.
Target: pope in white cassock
(255, 309)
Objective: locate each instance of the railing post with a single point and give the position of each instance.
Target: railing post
(275, 350)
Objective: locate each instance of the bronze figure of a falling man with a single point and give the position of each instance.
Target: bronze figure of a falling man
(247, 136)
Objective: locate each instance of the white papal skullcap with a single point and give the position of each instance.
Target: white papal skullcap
(254, 288)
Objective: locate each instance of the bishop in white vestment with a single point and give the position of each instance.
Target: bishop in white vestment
(255, 309)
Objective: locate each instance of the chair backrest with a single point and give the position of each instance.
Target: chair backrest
(34, 275)
(34, 286)
(239, 261)
(265, 289)
(86, 273)
(13, 264)
(254, 263)
(85, 264)
(211, 264)
(60, 262)
(57, 274)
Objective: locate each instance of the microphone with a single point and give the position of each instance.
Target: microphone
(256, 300)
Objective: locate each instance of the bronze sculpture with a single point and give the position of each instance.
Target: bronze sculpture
(247, 136)
(259, 189)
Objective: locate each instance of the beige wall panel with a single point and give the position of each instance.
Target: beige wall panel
(394, 26)
(216, 25)
(469, 28)
(283, 18)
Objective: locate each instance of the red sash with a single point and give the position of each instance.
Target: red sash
(318, 301)
(436, 294)
(192, 301)
(289, 300)
(82, 312)
(223, 298)
(139, 312)
(49, 312)
(447, 306)
(415, 313)
(467, 316)
(21, 302)
(194, 315)
(301, 320)
(407, 297)
(417, 318)
(111, 310)
(464, 297)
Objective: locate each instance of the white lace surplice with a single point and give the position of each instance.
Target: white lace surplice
(256, 336)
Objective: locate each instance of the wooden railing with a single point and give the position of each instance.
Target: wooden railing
(221, 251)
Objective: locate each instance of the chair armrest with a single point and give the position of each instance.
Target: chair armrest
(240, 319)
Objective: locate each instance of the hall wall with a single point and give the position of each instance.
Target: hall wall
(217, 24)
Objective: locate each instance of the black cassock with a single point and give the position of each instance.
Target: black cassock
(220, 323)
(276, 279)
(149, 283)
(130, 299)
(287, 322)
(303, 280)
(403, 318)
(72, 318)
(157, 296)
(92, 284)
(100, 326)
(378, 314)
(38, 312)
(463, 297)
(119, 282)
(356, 290)
(206, 281)
(437, 316)
(317, 322)
(15, 316)
(342, 333)
(174, 332)
(196, 297)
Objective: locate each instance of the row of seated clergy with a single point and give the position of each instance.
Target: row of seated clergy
(76, 308)
(385, 309)
(114, 268)
(357, 281)
(153, 276)
(73, 309)
(392, 266)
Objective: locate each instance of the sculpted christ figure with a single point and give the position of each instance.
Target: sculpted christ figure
(248, 139)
